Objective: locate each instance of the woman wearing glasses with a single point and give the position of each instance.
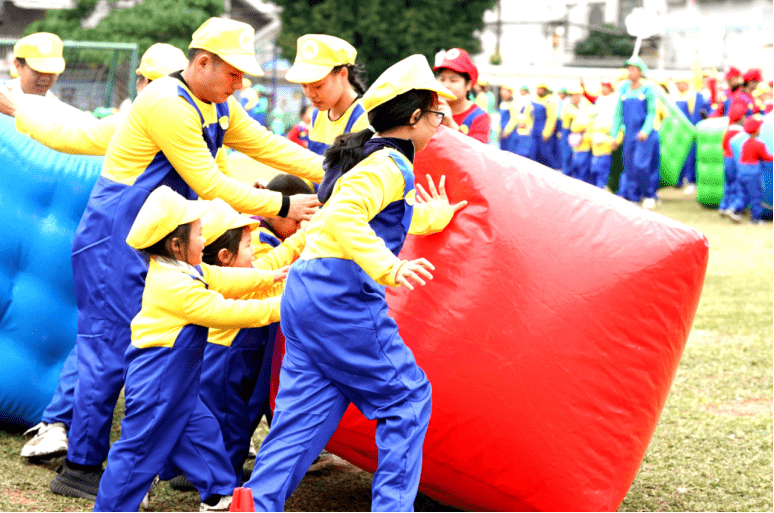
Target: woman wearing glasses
(341, 344)
(458, 74)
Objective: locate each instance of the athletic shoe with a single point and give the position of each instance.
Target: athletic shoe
(734, 216)
(689, 189)
(181, 484)
(723, 212)
(223, 505)
(252, 452)
(50, 441)
(76, 483)
(321, 461)
(649, 203)
(146, 500)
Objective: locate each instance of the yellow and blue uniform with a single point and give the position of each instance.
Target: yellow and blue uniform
(505, 117)
(236, 372)
(168, 138)
(545, 116)
(324, 131)
(655, 165)
(78, 136)
(601, 150)
(580, 166)
(635, 111)
(165, 417)
(341, 344)
(521, 121)
(692, 104)
(569, 112)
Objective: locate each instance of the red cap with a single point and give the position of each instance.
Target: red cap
(753, 74)
(458, 60)
(737, 110)
(733, 72)
(753, 124)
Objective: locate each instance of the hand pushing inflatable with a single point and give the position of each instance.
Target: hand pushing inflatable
(42, 196)
(551, 334)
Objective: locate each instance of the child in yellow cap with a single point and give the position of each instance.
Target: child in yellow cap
(326, 69)
(165, 417)
(341, 345)
(38, 62)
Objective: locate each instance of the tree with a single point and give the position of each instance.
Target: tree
(149, 22)
(611, 42)
(385, 31)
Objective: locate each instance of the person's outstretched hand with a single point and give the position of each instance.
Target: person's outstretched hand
(437, 194)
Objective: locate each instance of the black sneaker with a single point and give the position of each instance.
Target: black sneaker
(76, 483)
(181, 483)
(321, 461)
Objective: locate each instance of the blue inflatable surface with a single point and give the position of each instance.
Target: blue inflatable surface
(767, 137)
(43, 194)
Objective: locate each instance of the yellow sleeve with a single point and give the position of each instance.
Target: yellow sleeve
(364, 192)
(514, 119)
(80, 135)
(430, 217)
(236, 282)
(551, 112)
(284, 254)
(247, 136)
(208, 308)
(482, 101)
(176, 129)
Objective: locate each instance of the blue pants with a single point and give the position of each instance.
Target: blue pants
(600, 170)
(341, 347)
(565, 152)
(750, 190)
(580, 167)
(689, 168)
(636, 181)
(546, 152)
(165, 420)
(524, 146)
(655, 169)
(235, 386)
(60, 409)
(730, 189)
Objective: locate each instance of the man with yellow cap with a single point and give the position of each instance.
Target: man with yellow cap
(173, 135)
(79, 136)
(331, 79)
(86, 135)
(38, 61)
(341, 344)
(695, 108)
(544, 126)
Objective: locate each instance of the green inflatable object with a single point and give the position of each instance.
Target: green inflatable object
(710, 173)
(676, 136)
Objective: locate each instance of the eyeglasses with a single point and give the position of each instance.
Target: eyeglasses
(438, 116)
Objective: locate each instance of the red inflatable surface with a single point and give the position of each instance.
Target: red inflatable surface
(551, 334)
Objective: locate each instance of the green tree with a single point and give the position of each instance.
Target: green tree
(606, 44)
(385, 31)
(149, 22)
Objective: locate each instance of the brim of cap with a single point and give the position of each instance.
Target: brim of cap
(194, 209)
(434, 85)
(305, 73)
(244, 63)
(46, 64)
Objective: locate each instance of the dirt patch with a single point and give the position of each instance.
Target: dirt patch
(749, 408)
(18, 496)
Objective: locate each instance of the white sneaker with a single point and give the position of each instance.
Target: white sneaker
(146, 500)
(252, 453)
(649, 203)
(735, 217)
(223, 505)
(689, 189)
(723, 212)
(50, 441)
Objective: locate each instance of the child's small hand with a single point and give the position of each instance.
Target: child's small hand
(437, 194)
(281, 273)
(412, 269)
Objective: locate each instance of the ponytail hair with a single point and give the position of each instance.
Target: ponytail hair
(347, 149)
(357, 76)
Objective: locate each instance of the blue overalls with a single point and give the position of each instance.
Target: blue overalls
(166, 423)
(236, 383)
(545, 152)
(637, 155)
(341, 347)
(689, 168)
(320, 147)
(469, 119)
(60, 408)
(505, 117)
(565, 150)
(749, 183)
(109, 280)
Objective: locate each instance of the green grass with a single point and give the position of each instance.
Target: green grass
(712, 449)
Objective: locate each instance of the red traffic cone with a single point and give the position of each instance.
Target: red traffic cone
(242, 500)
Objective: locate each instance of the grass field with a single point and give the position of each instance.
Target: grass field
(712, 450)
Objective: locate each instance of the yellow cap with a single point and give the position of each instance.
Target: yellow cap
(411, 73)
(317, 55)
(543, 84)
(574, 87)
(160, 60)
(484, 81)
(42, 51)
(246, 83)
(508, 86)
(220, 218)
(762, 88)
(163, 211)
(230, 40)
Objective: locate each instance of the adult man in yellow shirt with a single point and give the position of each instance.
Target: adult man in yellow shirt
(173, 135)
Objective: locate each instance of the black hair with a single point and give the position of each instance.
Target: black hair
(347, 149)
(193, 53)
(162, 248)
(302, 110)
(288, 185)
(466, 76)
(357, 76)
(22, 61)
(228, 241)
